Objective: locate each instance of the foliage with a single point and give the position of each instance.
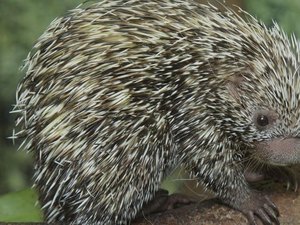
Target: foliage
(21, 22)
(20, 207)
(284, 12)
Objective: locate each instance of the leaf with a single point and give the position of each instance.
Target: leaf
(20, 207)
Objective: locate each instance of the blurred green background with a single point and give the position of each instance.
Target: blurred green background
(23, 21)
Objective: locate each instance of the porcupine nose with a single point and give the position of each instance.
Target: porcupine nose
(284, 151)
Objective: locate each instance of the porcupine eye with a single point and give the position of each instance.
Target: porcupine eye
(262, 120)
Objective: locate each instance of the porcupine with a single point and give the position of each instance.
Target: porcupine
(118, 93)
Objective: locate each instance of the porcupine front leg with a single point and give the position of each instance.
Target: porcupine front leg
(227, 181)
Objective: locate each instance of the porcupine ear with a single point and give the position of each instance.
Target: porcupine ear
(233, 86)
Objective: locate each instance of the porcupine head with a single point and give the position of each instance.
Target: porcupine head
(259, 113)
(112, 100)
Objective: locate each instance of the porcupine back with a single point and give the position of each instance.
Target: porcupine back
(118, 93)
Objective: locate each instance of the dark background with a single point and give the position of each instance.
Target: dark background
(23, 21)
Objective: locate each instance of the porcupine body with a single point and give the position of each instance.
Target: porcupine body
(118, 93)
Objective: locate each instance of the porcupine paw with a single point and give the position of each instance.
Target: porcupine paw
(162, 201)
(281, 174)
(254, 176)
(285, 175)
(260, 207)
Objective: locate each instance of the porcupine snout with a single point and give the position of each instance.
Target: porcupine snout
(280, 151)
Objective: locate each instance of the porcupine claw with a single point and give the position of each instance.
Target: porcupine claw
(259, 206)
(288, 176)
